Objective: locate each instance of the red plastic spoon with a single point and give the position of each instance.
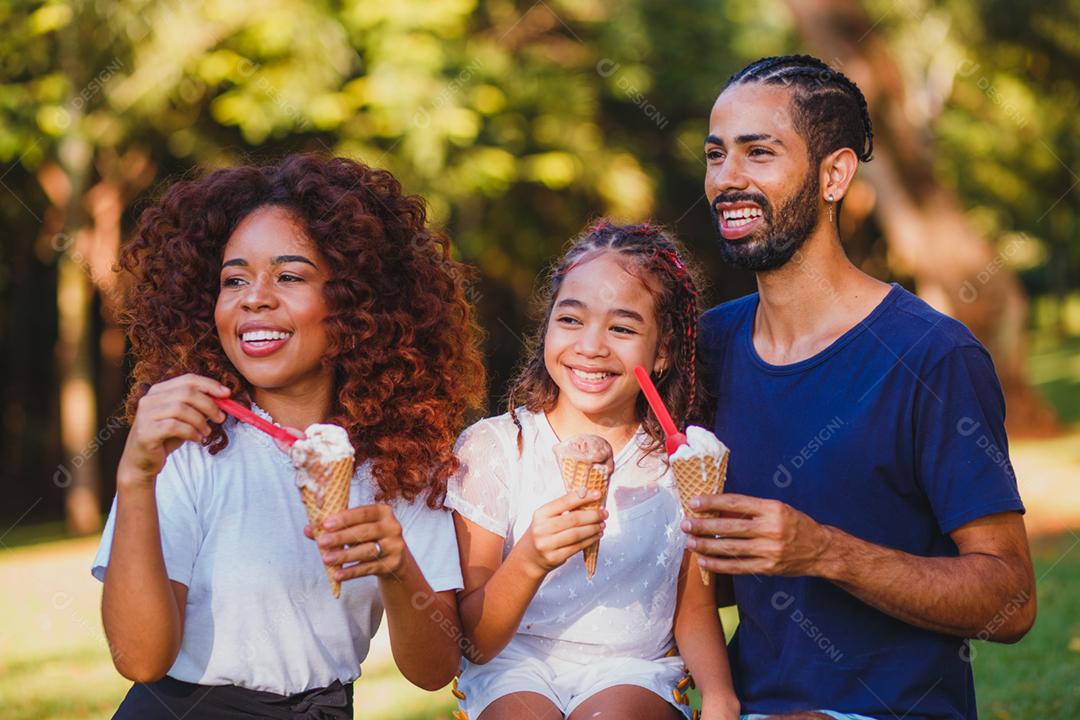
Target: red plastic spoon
(240, 412)
(673, 439)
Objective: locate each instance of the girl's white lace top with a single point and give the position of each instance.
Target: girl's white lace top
(628, 607)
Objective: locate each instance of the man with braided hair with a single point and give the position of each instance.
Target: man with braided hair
(872, 522)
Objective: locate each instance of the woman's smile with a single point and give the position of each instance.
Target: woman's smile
(271, 310)
(260, 339)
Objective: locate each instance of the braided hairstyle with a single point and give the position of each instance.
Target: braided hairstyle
(656, 259)
(828, 109)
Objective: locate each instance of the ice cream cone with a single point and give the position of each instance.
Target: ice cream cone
(324, 459)
(582, 476)
(699, 475)
(331, 495)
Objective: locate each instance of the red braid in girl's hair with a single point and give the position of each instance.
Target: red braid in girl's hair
(651, 253)
(668, 260)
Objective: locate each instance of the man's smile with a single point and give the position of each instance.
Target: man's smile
(739, 219)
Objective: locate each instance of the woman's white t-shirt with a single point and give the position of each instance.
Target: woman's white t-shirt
(628, 607)
(259, 612)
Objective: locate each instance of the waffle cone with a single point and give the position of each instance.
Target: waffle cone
(699, 475)
(333, 480)
(581, 476)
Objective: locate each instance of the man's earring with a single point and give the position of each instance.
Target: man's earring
(832, 207)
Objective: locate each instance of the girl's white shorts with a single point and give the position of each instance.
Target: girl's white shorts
(525, 666)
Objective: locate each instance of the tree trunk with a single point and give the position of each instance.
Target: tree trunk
(78, 401)
(88, 247)
(64, 183)
(77, 472)
(929, 237)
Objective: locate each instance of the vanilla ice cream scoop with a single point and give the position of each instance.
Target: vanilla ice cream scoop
(322, 443)
(699, 441)
(699, 468)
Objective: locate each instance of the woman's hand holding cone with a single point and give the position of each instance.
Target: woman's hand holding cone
(368, 535)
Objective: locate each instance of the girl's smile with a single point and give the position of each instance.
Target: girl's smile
(589, 380)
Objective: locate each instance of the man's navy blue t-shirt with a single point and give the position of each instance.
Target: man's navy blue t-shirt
(894, 434)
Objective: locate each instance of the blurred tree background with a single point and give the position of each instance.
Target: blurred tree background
(518, 121)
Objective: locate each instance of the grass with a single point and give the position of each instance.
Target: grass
(1039, 677)
(36, 534)
(53, 661)
(54, 664)
(1054, 354)
(1054, 369)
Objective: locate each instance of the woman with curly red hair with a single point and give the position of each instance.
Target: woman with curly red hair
(313, 292)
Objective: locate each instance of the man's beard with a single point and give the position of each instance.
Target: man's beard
(780, 236)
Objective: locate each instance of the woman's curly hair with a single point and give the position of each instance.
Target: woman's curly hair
(404, 343)
(658, 260)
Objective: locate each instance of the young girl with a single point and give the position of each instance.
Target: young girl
(545, 641)
(312, 292)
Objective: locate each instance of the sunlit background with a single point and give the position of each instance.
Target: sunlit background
(518, 122)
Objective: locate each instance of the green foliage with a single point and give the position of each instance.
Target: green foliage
(1008, 136)
(566, 107)
(518, 121)
(522, 119)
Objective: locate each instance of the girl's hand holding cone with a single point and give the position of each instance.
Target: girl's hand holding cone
(560, 530)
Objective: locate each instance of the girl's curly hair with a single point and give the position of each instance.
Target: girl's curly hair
(404, 343)
(657, 259)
